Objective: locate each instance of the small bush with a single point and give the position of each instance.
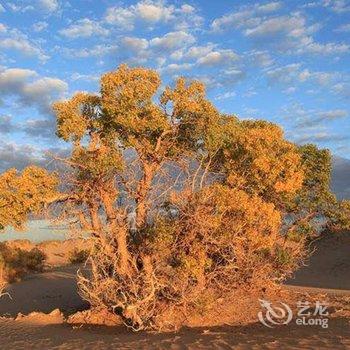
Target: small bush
(78, 256)
(14, 263)
(33, 260)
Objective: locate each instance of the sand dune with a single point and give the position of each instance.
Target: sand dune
(329, 265)
(340, 177)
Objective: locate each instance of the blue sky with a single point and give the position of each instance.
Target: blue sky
(284, 61)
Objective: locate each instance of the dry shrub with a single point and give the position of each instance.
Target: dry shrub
(78, 256)
(222, 241)
(15, 263)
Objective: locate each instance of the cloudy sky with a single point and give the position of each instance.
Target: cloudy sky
(285, 61)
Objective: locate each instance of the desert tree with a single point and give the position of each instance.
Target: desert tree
(204, 192)
(184, 204)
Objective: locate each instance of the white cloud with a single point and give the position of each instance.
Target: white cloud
(291, 33)
(320, 137)
(321, 78)
(95, 51)
(324, 49)
(151, 12)
(17, 156)
(342, 89)
(2, 9)
(338, 6)
(174, 68)
(172, 40)
(3, 28)
(286, 74)
(13, 39)
(187, 9)
(312, 120)
(12, 79)
(250, 92)
(225, 96)
(344, 28)
(85, 77)
(13, 155)
(331, 115)
(292, 26)
(260, 58)
(19, 45)
(43, 91)
(84, 28)
(44, 128)
(289, 90)
(231, 76)
(48, 5)
(270, 7)
(39, 26)
(20, 8)
(22, 46)
(135, 44)
(6, 125)
(294, 73)
(196, 52)
(122, 18)
(147, 11)
(186, 18)
(219, 57)
(246, 16)
(287, 33)
(31, 90)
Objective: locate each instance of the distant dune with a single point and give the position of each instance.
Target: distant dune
(341, 177)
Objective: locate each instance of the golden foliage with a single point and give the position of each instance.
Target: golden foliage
(25, 193)
(258, 159)
(75, 117)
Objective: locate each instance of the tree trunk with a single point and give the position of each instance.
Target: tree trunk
(118, 228)
(142, 193)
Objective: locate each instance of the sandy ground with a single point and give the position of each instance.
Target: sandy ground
(328, 273)
(44, 292)
(19, 335)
